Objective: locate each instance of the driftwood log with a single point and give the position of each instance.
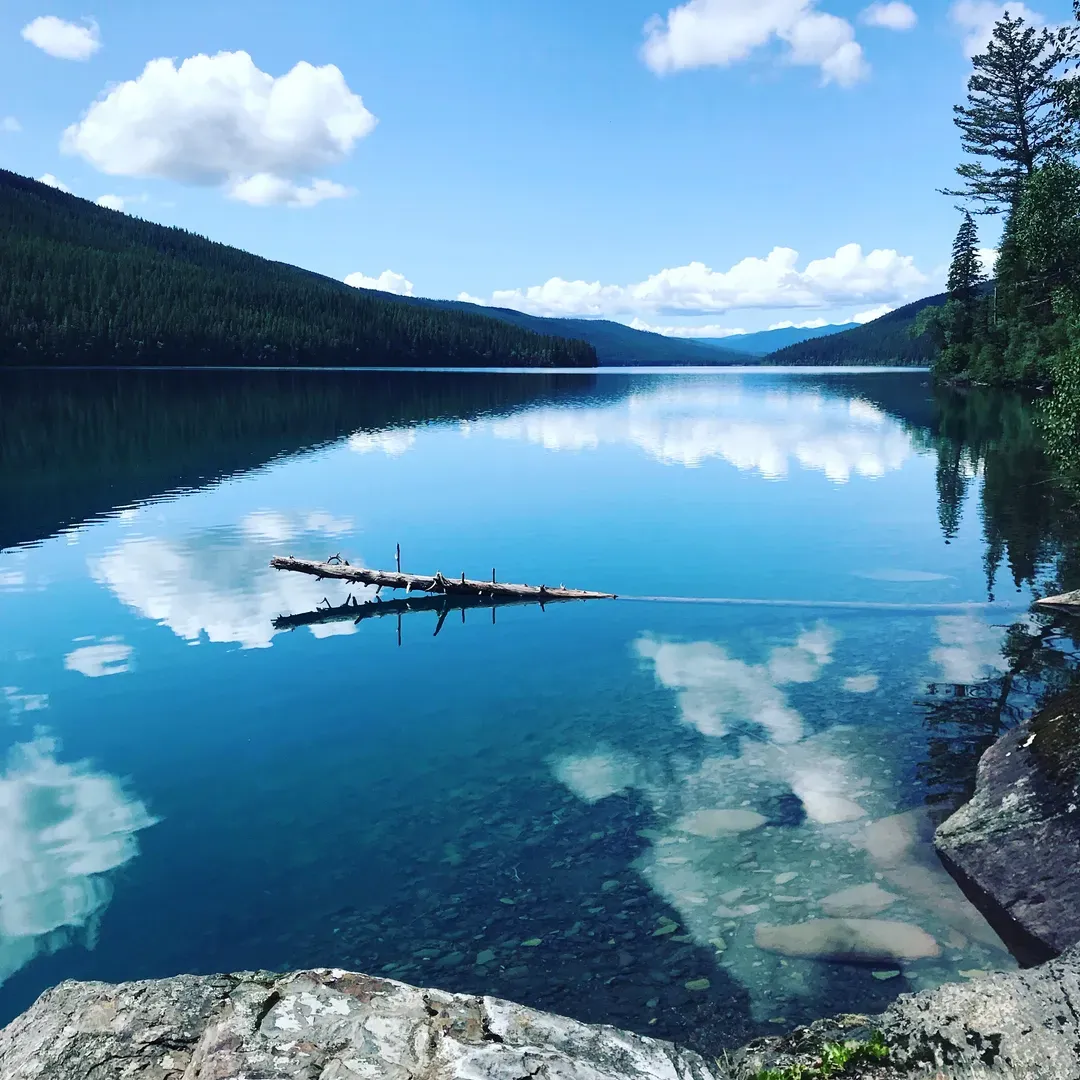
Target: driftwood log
(337, 570)
(1069, 601)
(356, 611)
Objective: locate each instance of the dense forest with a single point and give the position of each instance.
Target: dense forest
(82, 284)
(616, 344)
(888, 341)
(1020, 130)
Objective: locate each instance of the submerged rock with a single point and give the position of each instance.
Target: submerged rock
(1015, 847)
(333, 1024)
(713, 824)
(858, 901)
(855, 941)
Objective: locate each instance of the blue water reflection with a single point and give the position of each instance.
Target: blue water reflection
(603, 809)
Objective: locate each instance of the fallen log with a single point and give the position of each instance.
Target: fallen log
(339, 570)
(356, 611)
(1069, 601)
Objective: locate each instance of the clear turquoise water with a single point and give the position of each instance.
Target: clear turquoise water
(515, 806)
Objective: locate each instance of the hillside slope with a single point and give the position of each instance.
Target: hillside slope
(85, 285)
(767, 341)
(886, 341)
(615, 343)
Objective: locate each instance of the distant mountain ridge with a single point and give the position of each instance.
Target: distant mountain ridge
(616, 344)
(887, 341)
(764, 342)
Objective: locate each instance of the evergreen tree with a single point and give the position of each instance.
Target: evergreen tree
(1013, 114)
(965, 272)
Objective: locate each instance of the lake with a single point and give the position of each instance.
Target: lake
(626, 811)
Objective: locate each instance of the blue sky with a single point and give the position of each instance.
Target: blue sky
(486, 149)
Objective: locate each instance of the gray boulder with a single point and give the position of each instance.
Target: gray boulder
(1021, 1025)
(1015, 847)
(314, 1025)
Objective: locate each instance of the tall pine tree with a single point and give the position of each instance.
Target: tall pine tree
(965, 271)
(1013, 115)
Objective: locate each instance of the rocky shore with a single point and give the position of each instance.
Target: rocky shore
(338, 1025)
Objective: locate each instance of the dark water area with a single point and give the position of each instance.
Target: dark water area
(606, 810)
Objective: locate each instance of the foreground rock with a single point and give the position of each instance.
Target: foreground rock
(1024, 1025)
(1015, 847)
(330, 1025)
(336, 1025)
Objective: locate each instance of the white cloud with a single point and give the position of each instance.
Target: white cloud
(988, 258)
(51, 181)
(111, 202)
(709, 331)
(63, 827)
(19, 703)
(110, 657)
(976, 18)
(810, 324)
(872, 313)
(219, 120)
(890, 15)
(10, 125)
(703, 33)
(265, 189)
(388, 281)
(64, 40)
(848, 276)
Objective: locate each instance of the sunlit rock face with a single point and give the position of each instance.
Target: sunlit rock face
(217, 584)
(63, 828)
(780, 847)
(770, 435)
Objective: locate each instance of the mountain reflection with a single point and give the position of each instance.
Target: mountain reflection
(76, 445)
(63, 828)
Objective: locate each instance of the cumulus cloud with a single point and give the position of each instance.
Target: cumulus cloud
(64, 40)
(849, 276)
(388, 281)
(988, 258)
(810, 324)
(719, 33)
(219, 120)
(709, 331)
(63, 827)
(51, 181)
(264, 189)
(110, 657)
(890, 15)
(975, 19)
(10, 125)
(688, 427)
(872, 313)
(111, 202)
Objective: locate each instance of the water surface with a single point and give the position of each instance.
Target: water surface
(588, 808)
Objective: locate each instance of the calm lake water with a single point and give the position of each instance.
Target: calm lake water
(601, 809)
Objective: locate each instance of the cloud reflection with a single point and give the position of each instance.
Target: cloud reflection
(767, 434)
(110, 657)
(63, 827)
(218, 582)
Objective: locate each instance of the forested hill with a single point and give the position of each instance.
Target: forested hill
(85, 285)
(617, 344)
(887, 341)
